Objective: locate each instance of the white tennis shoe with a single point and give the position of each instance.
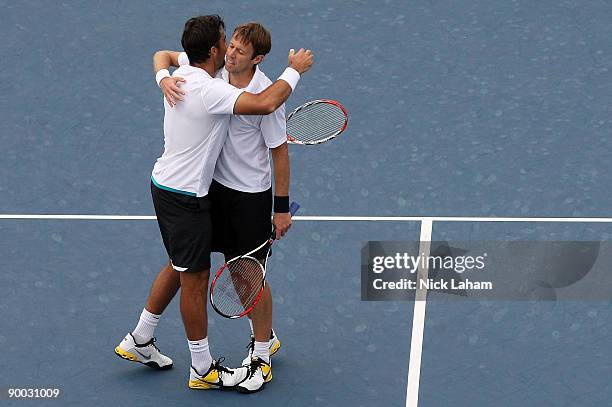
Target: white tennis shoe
(217, 377)
(147, 353)
(275, 345)
(260, 373)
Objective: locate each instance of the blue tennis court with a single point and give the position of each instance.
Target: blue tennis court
(487, 109)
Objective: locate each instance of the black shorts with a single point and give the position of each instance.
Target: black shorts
(186, 228)
(241, 220)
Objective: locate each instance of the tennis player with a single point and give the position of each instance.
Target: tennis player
(241, 190)
(194, 134)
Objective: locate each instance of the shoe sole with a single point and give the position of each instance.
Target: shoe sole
(202, 386)
(212, 387)
(133, 358)
(244, 390)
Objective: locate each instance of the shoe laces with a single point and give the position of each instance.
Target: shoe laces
(221, 368)
(255, 364)
(151, 342)
(251, 345)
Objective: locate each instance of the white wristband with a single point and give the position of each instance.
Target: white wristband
(291, 76)
(161, 74)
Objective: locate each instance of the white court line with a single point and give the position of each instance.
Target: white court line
(418, 320)
(332, 218)
(450, 219)
(78, 217)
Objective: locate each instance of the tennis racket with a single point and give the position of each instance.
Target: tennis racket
(316, 122)
(239, 283)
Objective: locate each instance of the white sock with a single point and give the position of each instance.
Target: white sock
(200, 355)
(251, 324)
(262, 350)
(146, 327)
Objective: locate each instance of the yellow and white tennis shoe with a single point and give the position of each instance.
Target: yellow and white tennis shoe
(260, 373)
(275, 345)
(147, 353)
(217, 377)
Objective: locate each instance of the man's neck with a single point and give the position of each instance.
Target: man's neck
(209, 67)
(242, 79)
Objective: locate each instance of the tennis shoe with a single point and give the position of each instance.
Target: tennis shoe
(260, 373)
(275, 345)
(146, 353)
(217, 377)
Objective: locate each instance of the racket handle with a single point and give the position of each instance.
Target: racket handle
(293, 208)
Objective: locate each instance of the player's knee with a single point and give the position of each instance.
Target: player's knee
(195, 281)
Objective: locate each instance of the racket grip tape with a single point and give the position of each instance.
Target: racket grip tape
(293, 208)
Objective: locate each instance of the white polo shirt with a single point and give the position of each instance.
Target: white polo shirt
(244, 162)
(194, 132)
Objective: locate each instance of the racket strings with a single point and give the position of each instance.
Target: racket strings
(327, 121)
(312, 131)
(316, 122)
(237, 287)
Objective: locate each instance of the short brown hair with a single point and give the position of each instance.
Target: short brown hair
(200, 35)
(256, 35)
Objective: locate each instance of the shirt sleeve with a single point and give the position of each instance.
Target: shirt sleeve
(220, 97)
(183, 59)
(274, 128)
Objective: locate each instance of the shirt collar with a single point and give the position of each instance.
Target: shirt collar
(252, 83)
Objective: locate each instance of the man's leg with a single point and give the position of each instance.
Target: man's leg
(241, 221)
(204, 374)
(261, 316)
(246, 224)
(163, 290)
(194, 287)
(260, 368)
(138, 346)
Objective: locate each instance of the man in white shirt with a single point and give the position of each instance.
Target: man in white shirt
(241, 193)
(194, 134)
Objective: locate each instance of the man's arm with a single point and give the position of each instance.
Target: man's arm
(165, 59)
(247, 103)
(282, 217)
(265, 102)
(276, 94)
(162, 60)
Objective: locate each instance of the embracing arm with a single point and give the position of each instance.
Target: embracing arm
(165, 59)
(247, 103)
(162, 60)
(265, 102)
(276, 94)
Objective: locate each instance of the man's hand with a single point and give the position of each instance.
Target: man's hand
(172, 91)
(302, 61)
(282, 223)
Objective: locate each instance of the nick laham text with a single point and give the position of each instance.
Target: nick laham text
(452, 284)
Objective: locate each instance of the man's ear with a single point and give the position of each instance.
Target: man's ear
(258, 59)
(213, 51)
